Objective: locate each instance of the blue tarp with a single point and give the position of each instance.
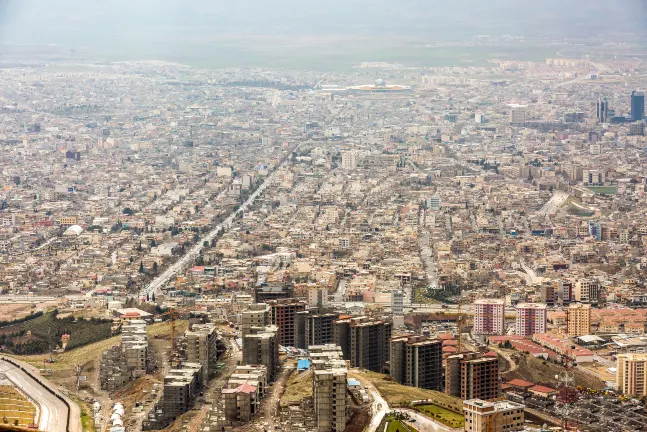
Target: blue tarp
(303, 364)
(352, 382)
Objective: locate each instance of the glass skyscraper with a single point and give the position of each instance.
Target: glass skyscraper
(637, 105)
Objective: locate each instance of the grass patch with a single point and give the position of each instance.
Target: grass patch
(162, 330)
(68, 359)
(398, 395)
(397, 426)
(298, 387)
(442, 415)
(87, 422)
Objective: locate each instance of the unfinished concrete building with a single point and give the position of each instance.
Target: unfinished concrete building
(271, 292)
(314, 328)
(181, 387)
(257, 315)
(284, 316)
(472, 376)
(261, 347)
(243, 393)
(329, 389)
(364, 341)
(202, 347)
(417, 361)
(127, 361)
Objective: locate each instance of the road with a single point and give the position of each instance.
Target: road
(52, 416)
(531, 275)
(554, 203)
(340, 294)
(423, 423)
(379, 408)
(188, 258)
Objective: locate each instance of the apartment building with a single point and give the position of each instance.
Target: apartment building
(417, 361)
(315, 328)
(564, 291)
(483, 416)
(257, 315)
(329, 391)
(472, 376)
(579, 319)
(201, 347)
(283, 315)
(587, 290)
(489, 316)
(261, 347)
(349, 160)
(264, 293)
(318, 297)
(181, 387)
(243, 393)
(530, 319)
(517, 116)
(630, 375)
(364, 341)
(127, 361)
(329, 388)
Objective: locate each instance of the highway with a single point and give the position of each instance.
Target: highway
(52, 412)
(188, 258)
(554, 203)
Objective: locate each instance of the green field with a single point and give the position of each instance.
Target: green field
(604, 190)
(396, 425)
(442, 415)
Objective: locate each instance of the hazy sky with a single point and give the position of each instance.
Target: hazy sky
(88, 22)
(304, 34)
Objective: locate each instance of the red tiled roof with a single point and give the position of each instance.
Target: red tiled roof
(520, 383)
(542, 389)
(246, 388)
(131, 314)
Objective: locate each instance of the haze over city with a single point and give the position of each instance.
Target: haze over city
(341, 216)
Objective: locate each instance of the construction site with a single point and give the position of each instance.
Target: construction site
(193, 362)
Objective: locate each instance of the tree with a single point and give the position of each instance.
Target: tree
(131, 260)
(139, 248)
(153, 296)
(141, 266)
(128, 211)
(155, 267)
